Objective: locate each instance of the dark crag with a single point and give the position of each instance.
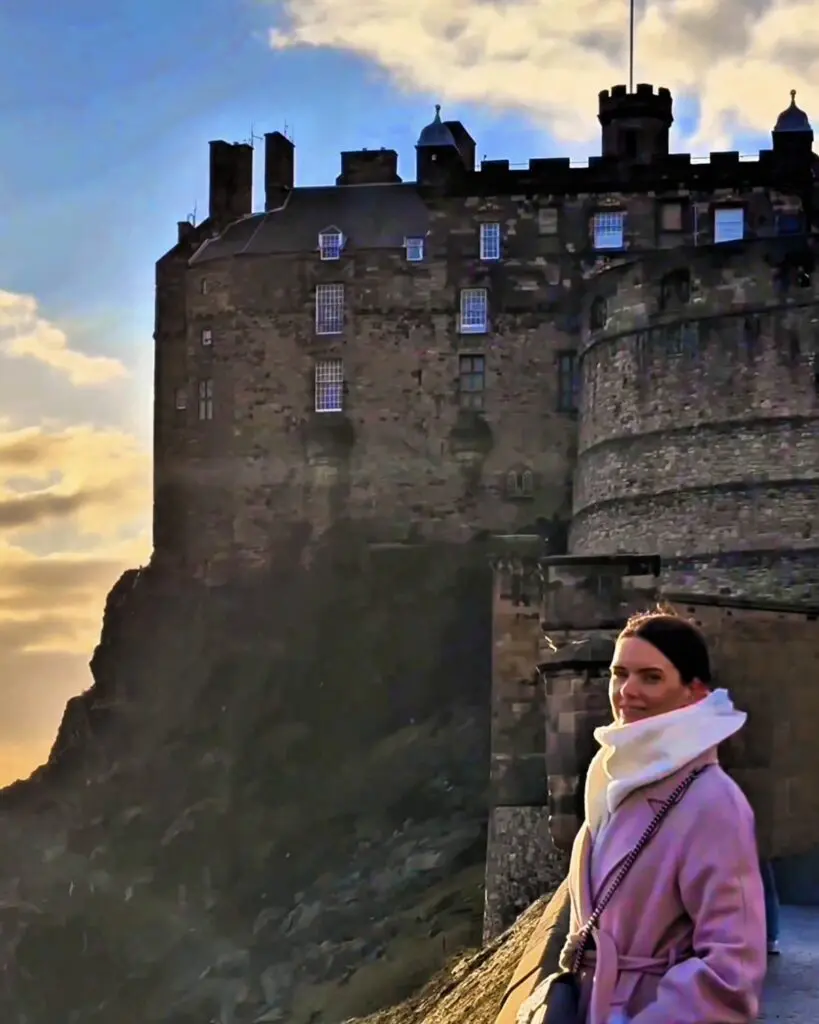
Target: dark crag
(272, 799)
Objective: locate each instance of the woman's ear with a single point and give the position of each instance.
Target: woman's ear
(698, 690)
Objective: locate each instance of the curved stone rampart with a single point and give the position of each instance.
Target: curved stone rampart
(699, 418)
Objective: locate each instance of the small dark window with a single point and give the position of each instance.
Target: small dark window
(671, 216)
(630, 144)
(675, 288)
(671, 336)
(519, 484)
(690, 335)
(471, 381)
(598, 315)
(789, 223)
(751, 327)
(568, 382)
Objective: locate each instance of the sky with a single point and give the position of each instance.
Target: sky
(106, 111)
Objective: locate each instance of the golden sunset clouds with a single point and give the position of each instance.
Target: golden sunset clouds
(74, 514)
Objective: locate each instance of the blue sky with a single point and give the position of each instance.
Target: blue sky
(106, 111)
(109, 106)
(108, 149)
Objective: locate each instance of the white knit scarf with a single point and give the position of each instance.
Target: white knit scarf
(639, 753)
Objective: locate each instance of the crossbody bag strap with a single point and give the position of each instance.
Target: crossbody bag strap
(628, 864)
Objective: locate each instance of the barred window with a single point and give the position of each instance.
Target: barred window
(474, 304)
(472, 381)
(608, 230)
(415, 249)
(329, 308)
(205, 399)
(329, 385)
(207, 337)
(490, 241)
(330, 244)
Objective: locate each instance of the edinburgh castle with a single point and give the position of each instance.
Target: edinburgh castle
(422, 442)
(621, 357)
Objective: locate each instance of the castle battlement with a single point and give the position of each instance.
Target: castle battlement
(619, 104)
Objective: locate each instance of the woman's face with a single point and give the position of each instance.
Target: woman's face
(644, 683)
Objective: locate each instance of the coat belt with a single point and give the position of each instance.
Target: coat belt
(607, 964)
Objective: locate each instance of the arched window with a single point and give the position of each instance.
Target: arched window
(519, 483)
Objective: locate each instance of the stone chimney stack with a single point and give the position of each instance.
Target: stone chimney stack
(231, 181)
(279, 169)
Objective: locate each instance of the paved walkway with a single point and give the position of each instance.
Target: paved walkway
(792, 986)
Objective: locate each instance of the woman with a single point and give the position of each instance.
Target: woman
(683, 939)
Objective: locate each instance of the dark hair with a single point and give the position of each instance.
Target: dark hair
(675, 637)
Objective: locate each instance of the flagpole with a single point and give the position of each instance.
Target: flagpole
(631, 47)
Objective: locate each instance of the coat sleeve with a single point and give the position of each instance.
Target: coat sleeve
(721, 890)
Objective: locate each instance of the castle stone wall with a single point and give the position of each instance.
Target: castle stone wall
(403, 457)
(699, 427)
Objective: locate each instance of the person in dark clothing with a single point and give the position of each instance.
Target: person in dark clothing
(771, 906)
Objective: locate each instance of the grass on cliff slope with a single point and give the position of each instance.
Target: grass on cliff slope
(469, 989)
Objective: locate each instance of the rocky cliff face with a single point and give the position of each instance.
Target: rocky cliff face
(270, 806)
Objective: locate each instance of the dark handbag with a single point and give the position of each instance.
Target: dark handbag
(556, 1000)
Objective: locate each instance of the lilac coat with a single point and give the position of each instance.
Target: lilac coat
(683, 939)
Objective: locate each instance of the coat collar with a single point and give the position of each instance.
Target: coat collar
(632, 818)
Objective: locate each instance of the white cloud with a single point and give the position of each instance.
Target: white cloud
(24, 333)
(549, 59)
(74, 514)
(75, 501)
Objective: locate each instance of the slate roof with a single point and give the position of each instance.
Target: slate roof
(369, 216)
